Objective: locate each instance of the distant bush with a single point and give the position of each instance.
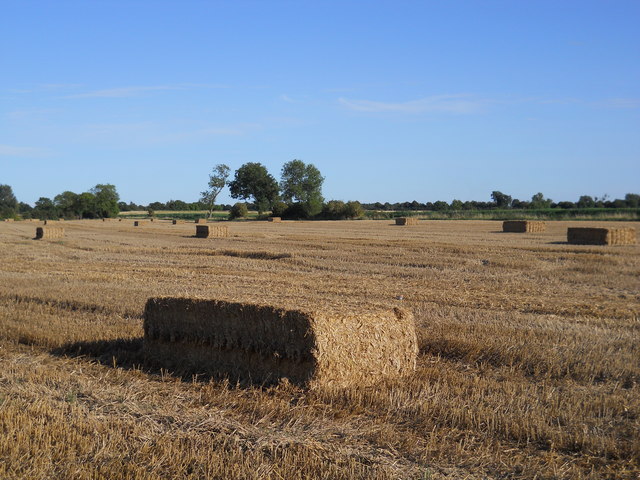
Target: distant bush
(239, 210)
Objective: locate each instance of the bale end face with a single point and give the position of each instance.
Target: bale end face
(264, 344)
(201, 220)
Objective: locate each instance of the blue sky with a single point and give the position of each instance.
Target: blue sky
(391, 100)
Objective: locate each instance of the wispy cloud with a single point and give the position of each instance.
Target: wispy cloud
(620, 103)
(13, 151)
(286, 98)
(451, 104)
(123, 92)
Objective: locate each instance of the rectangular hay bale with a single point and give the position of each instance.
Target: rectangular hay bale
(49, 232)
(176, 222)
(274, 219)
(139, 223)
(406, 221)
(524, 226)
(201, 220)
(263, 344)
(601, 236)
(207, 231)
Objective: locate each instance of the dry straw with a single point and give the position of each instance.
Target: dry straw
(274, 219)
(263, 344)
(8, 219)
(406, 221)
(49, 232)
(175, 222)
(201, 220)
(139, 223)
(207, 231)
(602, 236)
(524, 226)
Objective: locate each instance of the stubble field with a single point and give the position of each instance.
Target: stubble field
(529, 363)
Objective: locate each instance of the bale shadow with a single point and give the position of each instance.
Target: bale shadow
(127, 354)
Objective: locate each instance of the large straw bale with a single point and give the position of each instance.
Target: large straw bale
(175, 222)
(406, 221)
(524, 226)
(602, 236)
(8, 219)
(49, 232)
(263, 344)
(274, 219)
(201, 220)
(207, 231)
(139, 223)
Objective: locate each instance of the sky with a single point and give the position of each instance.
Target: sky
(391, 100)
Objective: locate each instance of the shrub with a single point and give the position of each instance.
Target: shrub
(239, 210)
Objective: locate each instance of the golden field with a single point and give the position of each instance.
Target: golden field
(529, 363)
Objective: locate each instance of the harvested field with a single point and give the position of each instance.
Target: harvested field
(49, 232)
(406, 221)
(139, 223)
(524, 226)
(601, 236)
(527, 364)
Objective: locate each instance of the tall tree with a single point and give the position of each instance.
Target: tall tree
(252, 180)
(106, 200)
(217, 181)
(302, 183)
(66, 203)
(8, 202)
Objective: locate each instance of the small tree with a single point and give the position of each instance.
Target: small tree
(353, 209)
(586, 201)
(538, 201)
(632, 199)
(217, 181)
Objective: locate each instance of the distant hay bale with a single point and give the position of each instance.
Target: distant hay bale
(406, 221)
(263, 344)
(207, 231)
(8, 219)
(175, 222)
(602, 236)
(524, 226)
(139, 223)
(274, 219)
(49, 232)
(201, 220)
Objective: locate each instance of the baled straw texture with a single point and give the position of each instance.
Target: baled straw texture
(175, 222)
(201, 220)
(602, 236)
(274, 219)
(406, 221)
(207, 231)
(49, 232)
(263, 344)
(524, 226)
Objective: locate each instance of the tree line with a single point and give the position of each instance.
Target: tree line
(298, 195)
(100, 201)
